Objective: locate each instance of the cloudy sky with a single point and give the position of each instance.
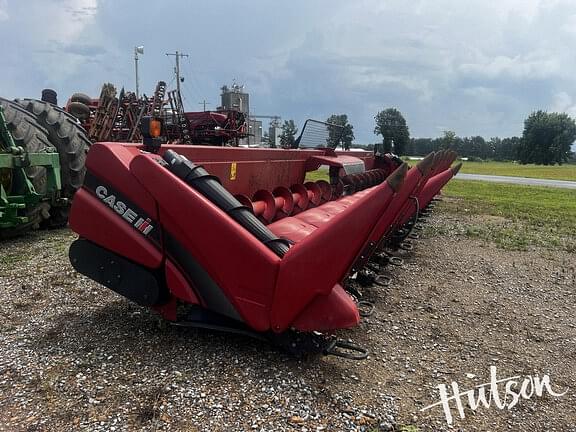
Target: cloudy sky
(475, 67)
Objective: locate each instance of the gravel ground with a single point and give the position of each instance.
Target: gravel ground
(74, 356)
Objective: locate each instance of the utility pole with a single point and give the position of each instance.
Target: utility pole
(204, 103)
(178, 56)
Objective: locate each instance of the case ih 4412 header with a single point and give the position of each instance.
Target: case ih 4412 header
(235, 239)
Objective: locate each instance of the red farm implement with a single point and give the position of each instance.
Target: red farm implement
(236, 239)
(117, 118)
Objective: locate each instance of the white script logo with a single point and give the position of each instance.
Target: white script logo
(513, 389)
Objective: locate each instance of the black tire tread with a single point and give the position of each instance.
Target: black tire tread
(81, 97)
(28, 134)
(69, 138)
(78, 110)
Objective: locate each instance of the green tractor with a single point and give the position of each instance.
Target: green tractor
(42, 155)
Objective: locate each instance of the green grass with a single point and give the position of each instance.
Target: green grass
(7, 260)
(516, 217)
(562, 172)
(317, 175)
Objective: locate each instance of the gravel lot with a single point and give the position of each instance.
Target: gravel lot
(74, 356)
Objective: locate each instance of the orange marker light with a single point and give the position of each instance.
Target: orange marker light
(155, 128)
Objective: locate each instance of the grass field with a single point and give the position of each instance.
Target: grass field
(514, 216)
(563, 172)
(317, 175)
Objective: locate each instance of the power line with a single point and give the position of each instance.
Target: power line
(193, 81)
(188, 93)
(204, 103)
(178, 56)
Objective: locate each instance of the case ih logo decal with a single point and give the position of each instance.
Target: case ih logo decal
(123, 207)
(120, 207)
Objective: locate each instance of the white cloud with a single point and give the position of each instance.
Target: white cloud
(70, 18)
(59, 36)
(48, 21)
(3, 10)
(476, 67)
(563, 102)
(480, 65)
(518, 67)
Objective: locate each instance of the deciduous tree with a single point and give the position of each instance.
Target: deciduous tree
(340, 136)
(391, 125)
(288, 135)
(547, 138)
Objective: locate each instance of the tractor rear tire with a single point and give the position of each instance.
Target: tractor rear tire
(82, 98)
(28, 134)
(79, 110)
(69, 138)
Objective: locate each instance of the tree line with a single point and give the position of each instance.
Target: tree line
(546, 139)
(475, 147)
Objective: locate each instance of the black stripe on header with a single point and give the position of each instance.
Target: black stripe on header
(124, 208)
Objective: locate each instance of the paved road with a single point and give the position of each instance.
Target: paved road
(518, 180)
